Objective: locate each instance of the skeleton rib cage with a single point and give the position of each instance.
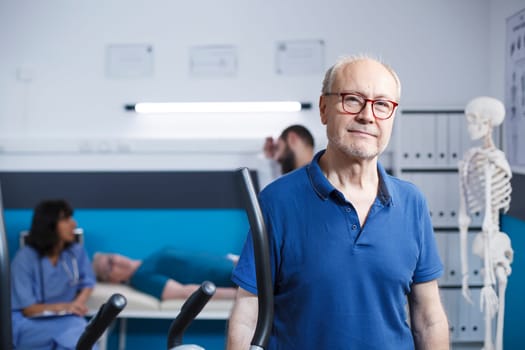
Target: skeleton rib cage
(475, 183)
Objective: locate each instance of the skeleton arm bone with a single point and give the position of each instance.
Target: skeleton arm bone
(464, 222)
(488, 298)
(489, 227)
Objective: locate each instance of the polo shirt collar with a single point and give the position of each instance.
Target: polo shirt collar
(324, 188)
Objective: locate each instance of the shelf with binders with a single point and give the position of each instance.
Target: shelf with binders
(466, 322)
(441, 190)
(449, 250)
(432, 139)
(429, 145)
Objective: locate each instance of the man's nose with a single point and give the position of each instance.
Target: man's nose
(366, 115)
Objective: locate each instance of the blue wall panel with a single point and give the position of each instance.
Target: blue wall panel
(138, 232)
(513, 337)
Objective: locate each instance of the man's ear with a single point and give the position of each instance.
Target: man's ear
(322, 109)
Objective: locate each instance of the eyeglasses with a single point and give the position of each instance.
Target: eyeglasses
(355, 103)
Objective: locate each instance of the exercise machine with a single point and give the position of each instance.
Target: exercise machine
(196, 302)
(5, 282)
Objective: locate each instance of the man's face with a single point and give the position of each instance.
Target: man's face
(359, 136)
(285, 156)
(113, 267)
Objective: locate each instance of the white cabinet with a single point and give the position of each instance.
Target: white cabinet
(466, 323)
(448, 245)
(441, 189)
(432, 139)
(431, 142)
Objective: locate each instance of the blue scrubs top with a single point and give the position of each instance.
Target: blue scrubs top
(35, 280)
(338, 285)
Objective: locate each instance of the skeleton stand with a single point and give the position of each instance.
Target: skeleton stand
(485, 187)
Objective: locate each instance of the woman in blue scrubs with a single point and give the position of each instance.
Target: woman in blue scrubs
(51, 280)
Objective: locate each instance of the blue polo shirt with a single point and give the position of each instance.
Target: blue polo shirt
(338, 285)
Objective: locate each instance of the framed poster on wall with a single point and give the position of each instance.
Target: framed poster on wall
(514, 123)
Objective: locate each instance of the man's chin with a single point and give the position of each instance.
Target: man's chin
(360, 153)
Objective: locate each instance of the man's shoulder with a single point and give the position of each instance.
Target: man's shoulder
(286, 187)
(291, 180)
(403, 188)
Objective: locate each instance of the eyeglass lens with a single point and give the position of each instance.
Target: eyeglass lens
(382, 109)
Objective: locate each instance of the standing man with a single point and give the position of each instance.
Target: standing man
(349, 244)
(292, 150)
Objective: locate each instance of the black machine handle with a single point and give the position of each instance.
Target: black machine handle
(190, 309)
(5, 283)
(100, 322)
(262, 261)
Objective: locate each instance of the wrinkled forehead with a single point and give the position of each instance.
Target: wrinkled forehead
(368, 77)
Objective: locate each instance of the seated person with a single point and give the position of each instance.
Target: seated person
(51, 280)
(169, 273)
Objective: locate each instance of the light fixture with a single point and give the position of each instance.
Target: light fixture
(217, 107)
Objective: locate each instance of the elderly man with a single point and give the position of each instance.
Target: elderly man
(349, 244)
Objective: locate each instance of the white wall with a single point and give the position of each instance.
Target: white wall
(439, 49)
(499, 12)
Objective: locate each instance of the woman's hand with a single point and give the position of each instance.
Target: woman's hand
(77, 307)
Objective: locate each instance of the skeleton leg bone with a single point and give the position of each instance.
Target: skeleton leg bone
(502, 277)
(501, 257)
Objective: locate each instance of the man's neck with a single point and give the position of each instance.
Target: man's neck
(348, 171)
(356, 178)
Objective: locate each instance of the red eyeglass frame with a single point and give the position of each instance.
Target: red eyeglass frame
(372, 101)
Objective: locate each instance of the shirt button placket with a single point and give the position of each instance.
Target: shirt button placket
(354, 226)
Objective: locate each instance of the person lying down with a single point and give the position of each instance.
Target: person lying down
(168, 273)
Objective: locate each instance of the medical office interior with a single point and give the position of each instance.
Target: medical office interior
(70, 70)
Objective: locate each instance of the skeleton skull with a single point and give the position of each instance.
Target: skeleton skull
(482, 114)
(501, 253)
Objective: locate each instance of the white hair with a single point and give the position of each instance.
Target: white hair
(343, 61)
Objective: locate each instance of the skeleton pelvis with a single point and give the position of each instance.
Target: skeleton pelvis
(500, 250)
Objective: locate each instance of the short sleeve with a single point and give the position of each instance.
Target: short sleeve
(429, 266)
(24, 279)
(244, 274)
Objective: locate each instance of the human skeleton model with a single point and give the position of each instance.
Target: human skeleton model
(484, 176)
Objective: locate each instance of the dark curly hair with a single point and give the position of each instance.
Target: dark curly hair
(43, 235)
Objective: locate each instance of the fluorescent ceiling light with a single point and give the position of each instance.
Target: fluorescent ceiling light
(217, 107)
